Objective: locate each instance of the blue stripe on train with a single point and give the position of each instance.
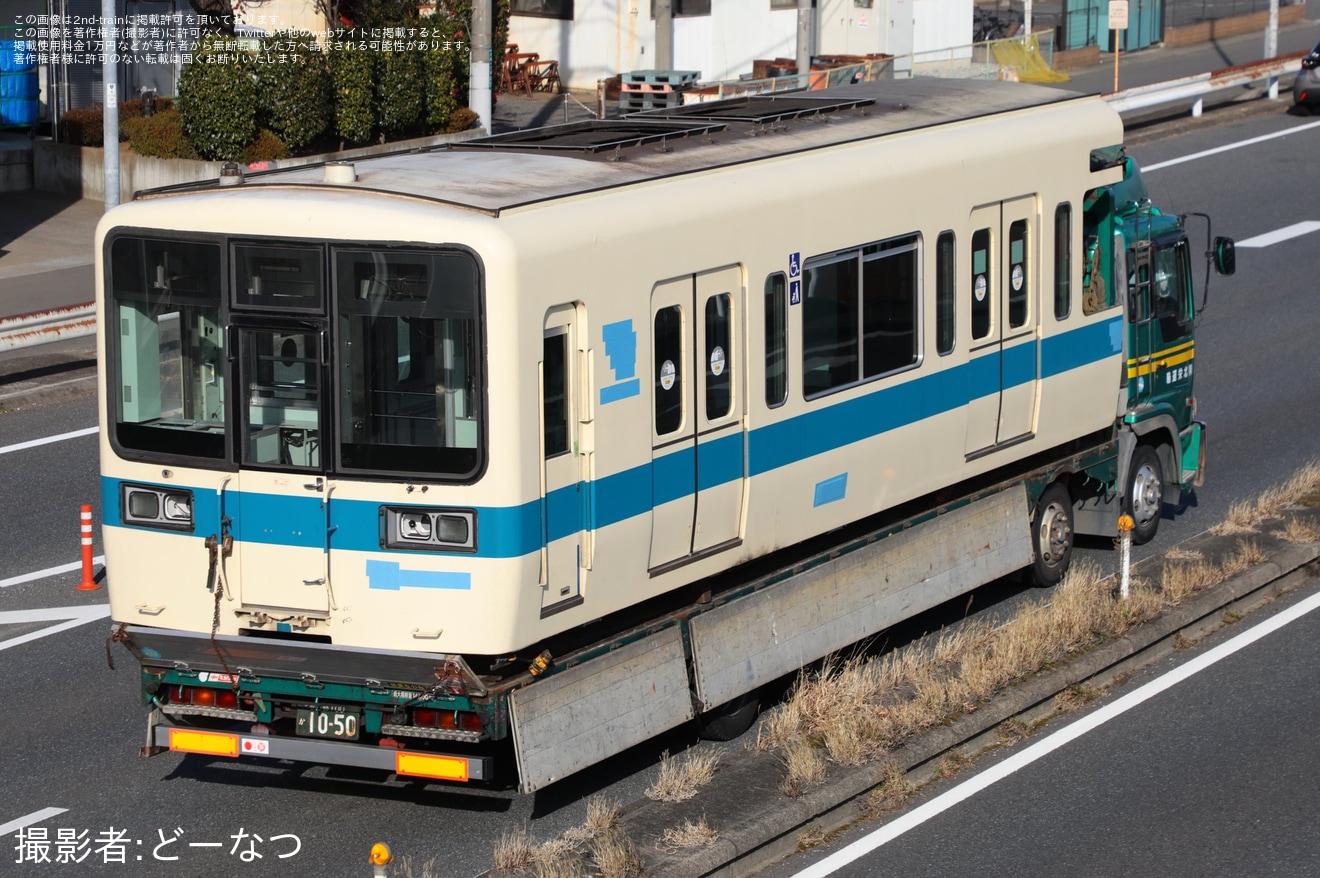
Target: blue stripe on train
(510, 532)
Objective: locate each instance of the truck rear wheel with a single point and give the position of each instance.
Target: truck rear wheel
(1144, 497)
(731, 719)
(1051, 536)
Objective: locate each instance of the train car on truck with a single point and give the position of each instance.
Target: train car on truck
(459, 455)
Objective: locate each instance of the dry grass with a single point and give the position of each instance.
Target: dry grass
(615, 856)
(514, 851)
(811, 837)
(1075, 698)
(429, 869)
(805, 766)
(689, 835)
(891, 793)
(680, 778)
(1295, 530)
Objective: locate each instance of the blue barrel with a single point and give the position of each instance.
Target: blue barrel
(20, 90)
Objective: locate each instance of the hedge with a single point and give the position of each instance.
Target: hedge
(218, 99)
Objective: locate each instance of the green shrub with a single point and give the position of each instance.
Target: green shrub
(84, 127)
(401, 89)
(352, 77)
(265, 148)
(293, 84)
(461, 120)
(160, 135)
(218, 99)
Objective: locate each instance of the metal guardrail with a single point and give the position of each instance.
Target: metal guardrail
(1195, 88)
(79, 320)
(41, 327)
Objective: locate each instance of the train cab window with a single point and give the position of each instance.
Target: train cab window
(982, 295)
(776, 341)
(167, 347)
(1019, 301)
(669, 390)
(719, 358)
(1062, 260)
(282, 392)
(408, 373)
(946, 283)
(287, 278)
(554, 393)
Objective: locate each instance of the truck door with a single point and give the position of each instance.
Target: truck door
(1161, 310)
(698, 463)
(279, 503)
(564, 513)
(1004, 301)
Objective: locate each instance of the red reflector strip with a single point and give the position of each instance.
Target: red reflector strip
(426, 765)
(206, 743)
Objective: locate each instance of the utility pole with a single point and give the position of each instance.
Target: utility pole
(480, 58)
(664, 34)
(804, 37)
(110, 97)
(1272, 45)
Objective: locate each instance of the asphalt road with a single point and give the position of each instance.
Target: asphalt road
(72, 727)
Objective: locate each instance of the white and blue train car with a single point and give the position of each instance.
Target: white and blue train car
(458, 401)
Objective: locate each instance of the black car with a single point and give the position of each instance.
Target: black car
(1306, 88)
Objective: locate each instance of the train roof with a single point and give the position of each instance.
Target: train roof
(505, 171)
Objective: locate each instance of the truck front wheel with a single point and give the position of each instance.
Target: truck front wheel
(1051, 536)
(1144, 497)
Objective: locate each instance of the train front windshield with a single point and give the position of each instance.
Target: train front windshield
(296, 356)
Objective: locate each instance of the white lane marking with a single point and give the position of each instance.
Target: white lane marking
(1230, 146)
(48, 440)
(1287, 233)
(996, 773)
(34, 817)
(72, 616)
(49, 571)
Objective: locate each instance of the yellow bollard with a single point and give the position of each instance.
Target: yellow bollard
(380, 858)
(1125, 525)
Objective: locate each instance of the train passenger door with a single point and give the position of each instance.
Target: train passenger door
(1005, 371)
(278, 504)
(698, 462)
(563, 509)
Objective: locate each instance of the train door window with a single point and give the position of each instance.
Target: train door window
(167, 347)
(830, 356)
(409, 360)
(282, 395)
(554, 390)
(946, 283)
(669, 390)
(1062, 260)
(889, 306)
(1019, 302)
(285, 278)
(981, 283)
(776, 341)
(719, 357)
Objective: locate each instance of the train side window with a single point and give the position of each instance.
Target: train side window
(776, 341)
(1062, 261)
(1019, 302)
(981, 283)
(668, 370)
(830, 355)
(946, 283)
(889, 306)
(554, 393)
(719, 358)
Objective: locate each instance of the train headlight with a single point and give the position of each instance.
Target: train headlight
(149, 506)
(430, 530)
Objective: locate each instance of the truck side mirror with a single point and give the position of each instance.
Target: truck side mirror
(1225, 256)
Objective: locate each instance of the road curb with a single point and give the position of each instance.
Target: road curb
(758, 825)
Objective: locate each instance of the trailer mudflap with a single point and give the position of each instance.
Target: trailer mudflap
(775, 631)
(589, 712)
(164, 735)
